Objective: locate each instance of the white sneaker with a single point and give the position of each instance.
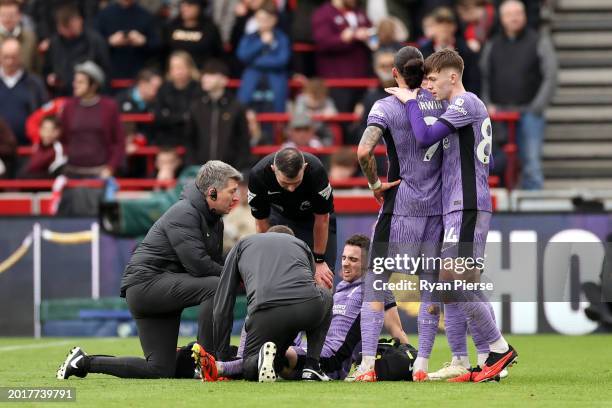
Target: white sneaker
(447, 372)
(265, 362)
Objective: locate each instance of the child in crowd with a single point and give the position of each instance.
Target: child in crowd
(48, 157)
(314, 100)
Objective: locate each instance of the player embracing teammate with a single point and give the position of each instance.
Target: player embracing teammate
(463, 134)
(410, 220)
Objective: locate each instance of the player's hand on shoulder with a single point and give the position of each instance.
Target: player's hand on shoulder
(403, 94)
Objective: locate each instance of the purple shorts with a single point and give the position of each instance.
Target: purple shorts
(465, 234)
(404, 236)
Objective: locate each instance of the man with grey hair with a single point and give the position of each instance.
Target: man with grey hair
(176, 266)
(519, 69)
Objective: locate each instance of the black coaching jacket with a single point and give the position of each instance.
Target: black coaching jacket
(188, 238)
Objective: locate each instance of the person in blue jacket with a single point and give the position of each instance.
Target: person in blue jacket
(265, 55)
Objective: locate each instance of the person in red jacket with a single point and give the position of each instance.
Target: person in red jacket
(92, 133)
(48, 156)
(53, 108)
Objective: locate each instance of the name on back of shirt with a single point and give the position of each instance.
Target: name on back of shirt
(430, 105)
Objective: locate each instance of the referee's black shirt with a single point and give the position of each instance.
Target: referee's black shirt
(313, 196)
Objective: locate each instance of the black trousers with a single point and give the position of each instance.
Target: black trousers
(281, 325)
(304, 231)
(157, 306)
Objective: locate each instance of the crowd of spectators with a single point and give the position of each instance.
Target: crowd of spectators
(59, 58)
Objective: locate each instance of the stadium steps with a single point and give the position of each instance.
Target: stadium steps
(574, 168)
(582, 21)
(601, 76)
(583, 5)
(584, 150)
(583, 96)
(578, 131)
(585, 58)
(577, 151)
(579, 114)
(582, 40)
(577, 184)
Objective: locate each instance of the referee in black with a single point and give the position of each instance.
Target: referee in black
(292, 188)
(176, 266)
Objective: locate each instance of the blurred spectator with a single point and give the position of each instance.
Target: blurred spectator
(386, 38)
(427, 24)
(265, 55)
(21, 93)
(44, 14)
(344, 164)
(195, 33)
(224, 16)
(383, 63)
(52, 108)
(378, 10)
(532, 9)
(476, 20)
(314, 100)
(174, 99)
(48, 157)
(141, 99)
(444, 35)
(92, 133)
(243, 24)
(420, 9)
(168, 164)
(72, 45)
(341, 32)
(246, 23)
(218, 127)
(131, 34)
(11, 26)
(519, 68)
(8, 151)
(302, 133)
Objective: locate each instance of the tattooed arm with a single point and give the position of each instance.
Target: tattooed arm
(365, 154)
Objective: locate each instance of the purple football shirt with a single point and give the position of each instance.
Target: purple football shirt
(465, 167)
(419, 193)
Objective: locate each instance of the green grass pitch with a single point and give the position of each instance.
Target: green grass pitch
(553, 371)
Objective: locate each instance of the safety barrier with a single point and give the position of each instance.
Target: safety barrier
(34, 239)
(279, 119)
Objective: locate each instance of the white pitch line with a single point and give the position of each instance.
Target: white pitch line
(34, 346)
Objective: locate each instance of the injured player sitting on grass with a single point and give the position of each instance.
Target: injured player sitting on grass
(343, 336)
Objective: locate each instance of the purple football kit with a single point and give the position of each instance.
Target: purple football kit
(409, 222)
